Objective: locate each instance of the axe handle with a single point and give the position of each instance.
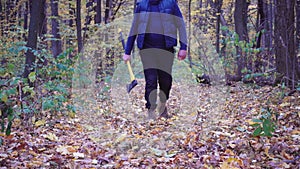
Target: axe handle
(132, 78)
(130, 71)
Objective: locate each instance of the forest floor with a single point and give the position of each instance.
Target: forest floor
(203, 138)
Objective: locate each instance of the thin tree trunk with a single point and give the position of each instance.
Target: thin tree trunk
(298, 25)
(107, 11)
(43, 21)
(36, 16)
(98, 12)
(78, 25)
(71, 13)
(1, 19)
(88, 18)
(25, 16)
(15, 12)
(298, 35)
(240, 20)
(285, 42)
(7, 14)
(189, 41)
(19, 14)
(56, 42)
(218, 5)
(70, 23)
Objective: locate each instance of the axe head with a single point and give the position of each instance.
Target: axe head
(131, 85)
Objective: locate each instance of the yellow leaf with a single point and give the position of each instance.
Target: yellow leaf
(285, 104)
(121, 138)
(229, 152)
(228, 163)
(71, 114)
(51, 137)
(4, 98)
(40, 123)
(190, 155)
(250, 122)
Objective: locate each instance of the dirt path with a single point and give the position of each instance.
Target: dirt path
(212, 131)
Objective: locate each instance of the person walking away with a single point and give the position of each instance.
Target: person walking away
(155, 26)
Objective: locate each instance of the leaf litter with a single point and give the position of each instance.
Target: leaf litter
(216, 136)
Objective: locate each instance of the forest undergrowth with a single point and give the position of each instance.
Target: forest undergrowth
(255, 127)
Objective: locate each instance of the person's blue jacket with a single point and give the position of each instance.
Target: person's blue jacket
(171, 18)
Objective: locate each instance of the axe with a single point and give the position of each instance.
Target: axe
(133, 81)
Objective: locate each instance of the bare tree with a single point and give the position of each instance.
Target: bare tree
(36, 17)
(240, 20)
(285, 42)
(298, 24)
(56, 42)
(98, 17)
(78, 25)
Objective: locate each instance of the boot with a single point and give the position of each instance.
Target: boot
(163, 111)
(151, 114)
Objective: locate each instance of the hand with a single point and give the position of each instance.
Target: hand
(126, 57)
(182, 54)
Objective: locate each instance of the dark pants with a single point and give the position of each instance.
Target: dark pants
(157, 64)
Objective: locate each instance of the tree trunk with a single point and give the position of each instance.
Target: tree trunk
(19, 13)
(218, 4)
(7, 13)
(298, 24)
(107, 11)
(264, 22)
(78, 25)
(36, 16)
(98, 12)
(43, 21)
(71, 13)
(1, 19)
(240, 20)
(70, 23)
(25, 15)
(15, 12)
(56, 42)
(189, 35)
(285, 42)
(88, 18)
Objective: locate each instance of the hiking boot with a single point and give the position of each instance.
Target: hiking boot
(163, 111)
(151, 114)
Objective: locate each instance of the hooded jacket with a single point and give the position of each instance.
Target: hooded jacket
(171, 18)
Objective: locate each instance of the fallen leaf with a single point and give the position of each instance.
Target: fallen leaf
(157, 152)
(51, 137)
(40, 123)
(63, 150)
(121, 138)
(78, 155)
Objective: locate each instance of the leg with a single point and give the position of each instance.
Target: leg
(165, 74)
(151, 88)
(165, 84)
(149, 61)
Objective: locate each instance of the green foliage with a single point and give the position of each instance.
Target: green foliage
(231, 41)
(56, 80)
(52, 80)
(264, 125)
